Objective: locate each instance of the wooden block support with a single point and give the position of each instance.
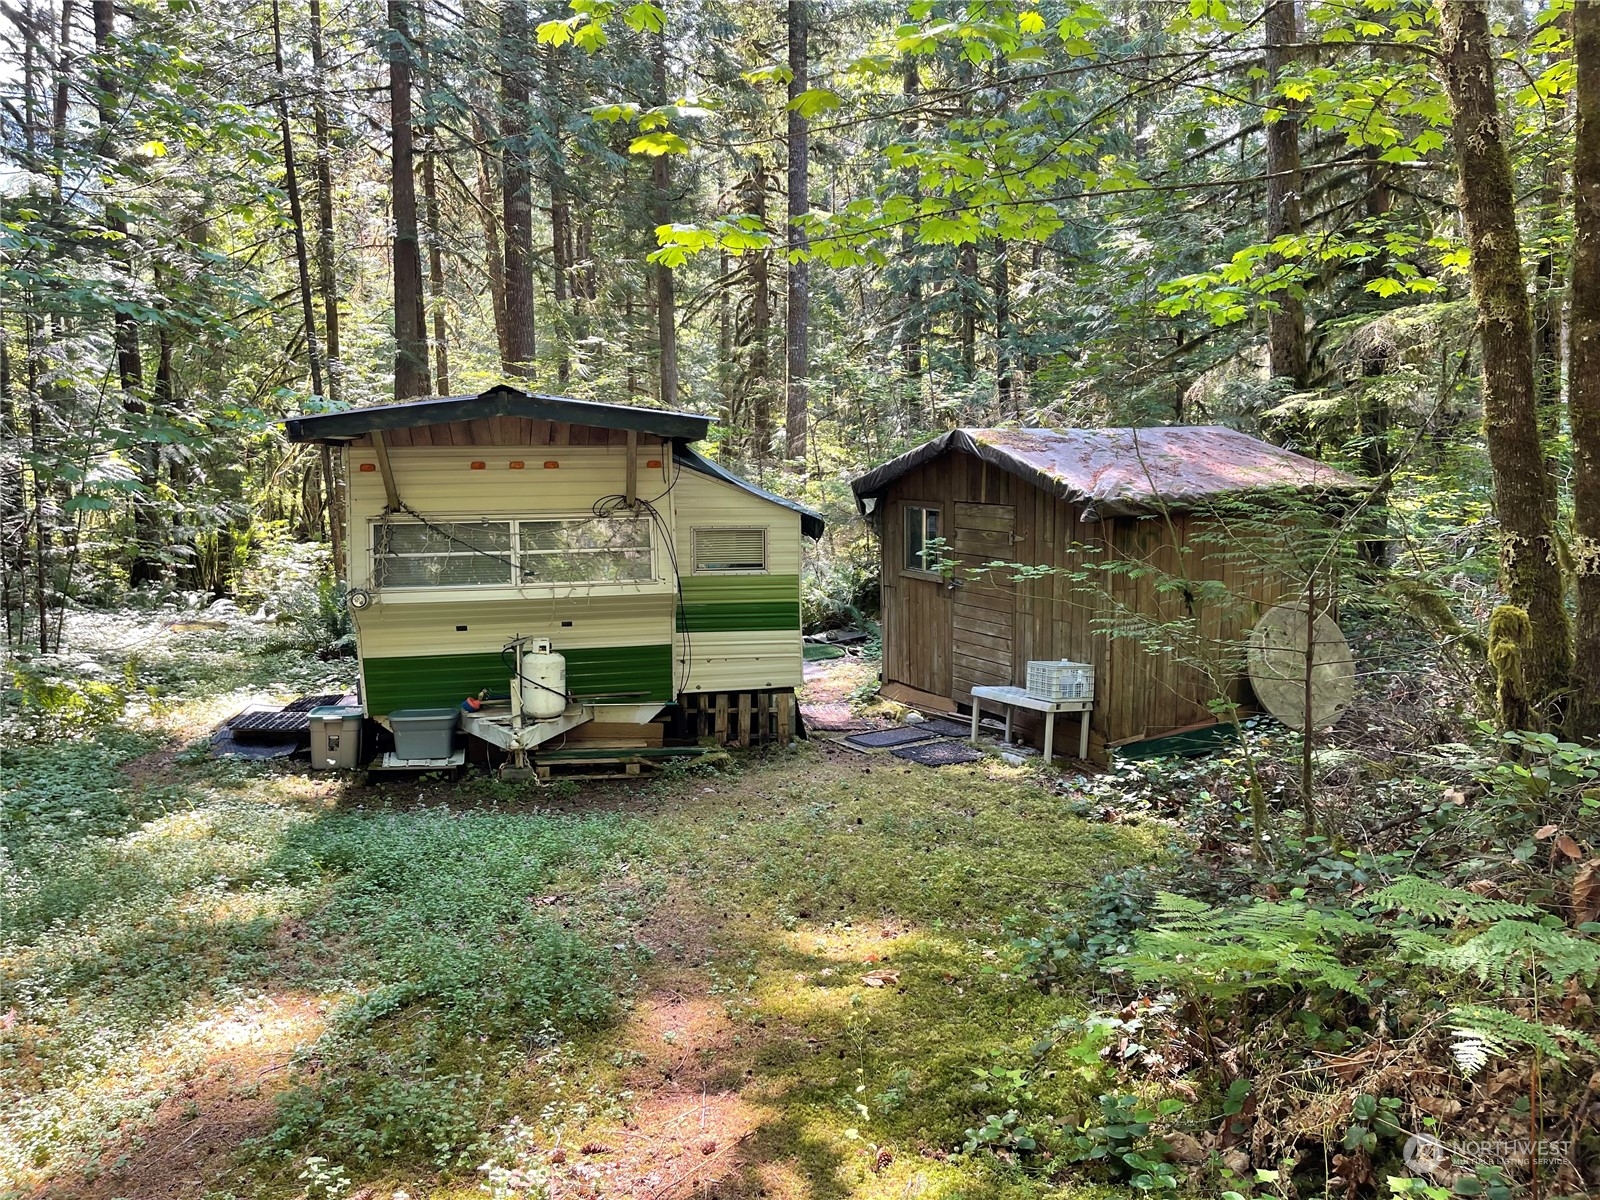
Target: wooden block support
(722, 717)
(785, 718)
(744, 718)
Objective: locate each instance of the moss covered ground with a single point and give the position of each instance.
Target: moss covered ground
(779, 979)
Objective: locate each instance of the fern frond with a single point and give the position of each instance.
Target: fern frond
(1428, 898)
(1483, 1033)
(1225, 951)
(1500, 955)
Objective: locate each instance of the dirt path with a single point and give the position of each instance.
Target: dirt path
(178, 1151)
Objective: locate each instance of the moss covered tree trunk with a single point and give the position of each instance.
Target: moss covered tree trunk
(1524, 494)
(1583, 396)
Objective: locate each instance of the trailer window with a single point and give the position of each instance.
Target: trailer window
(722, 551)
(455, 554)
(923, 547)
(595, 550)
(511, 553)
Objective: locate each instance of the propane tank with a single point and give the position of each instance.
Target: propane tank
(543, 681)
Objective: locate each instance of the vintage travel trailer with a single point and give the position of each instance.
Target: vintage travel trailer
(562, 563)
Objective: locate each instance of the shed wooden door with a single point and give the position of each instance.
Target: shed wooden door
(984, 605)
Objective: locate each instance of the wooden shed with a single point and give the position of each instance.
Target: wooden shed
(1067, 500)
(669, 586)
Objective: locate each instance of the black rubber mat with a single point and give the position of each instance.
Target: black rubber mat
(307, 703)
(271, 722)
(946, 728)
(223, 743)
(943, 753)
(881, 739)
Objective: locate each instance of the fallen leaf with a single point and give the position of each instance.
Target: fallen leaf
(883, 977)
(1545, 831)
(1484, 887)
(1586, 893)
(1348, 1066)
(1186, 1148)
(1568, 847)
(1442, 1107)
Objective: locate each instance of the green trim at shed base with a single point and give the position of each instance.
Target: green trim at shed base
(1183, 744)
(438, 680)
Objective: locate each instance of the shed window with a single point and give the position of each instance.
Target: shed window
(510, 553)
(923, 548)
(725, 550)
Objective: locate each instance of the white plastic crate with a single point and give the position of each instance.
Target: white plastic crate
(1051, 679)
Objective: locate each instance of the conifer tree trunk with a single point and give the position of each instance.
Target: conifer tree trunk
(430, 216)
(410, 340)
(1373, 416)
(911, 324)
(665, 295)
(561, 268)
(291, 186)
(327, 273)
(1004, 383)
(1523, 492)
(1583, 397)
(517, 186)
(1286, 326)
(798, 323)
(327, 282)
(967, 289)
(143, 568)
(436, 294)
(494, 261)
(755, 386)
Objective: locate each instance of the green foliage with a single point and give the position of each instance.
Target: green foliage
(50, 707)
(1223, 951)
(1102, 924)
(1121, 1138)
(62, 793)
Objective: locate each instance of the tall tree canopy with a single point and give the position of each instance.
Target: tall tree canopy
(836, 226)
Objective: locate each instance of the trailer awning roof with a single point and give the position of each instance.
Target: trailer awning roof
(1127, 472)
(680, 428)
(498, 401)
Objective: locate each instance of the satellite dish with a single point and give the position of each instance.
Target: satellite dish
(1277, 662)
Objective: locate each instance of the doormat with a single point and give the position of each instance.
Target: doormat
(946, 728)
(882, 739)
(943, 753)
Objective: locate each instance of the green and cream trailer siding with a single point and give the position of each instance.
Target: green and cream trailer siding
(473, 520)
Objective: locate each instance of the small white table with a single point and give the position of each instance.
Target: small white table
(1015, 697)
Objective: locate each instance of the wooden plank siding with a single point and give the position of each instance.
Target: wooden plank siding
(942, 640)
(507, 431)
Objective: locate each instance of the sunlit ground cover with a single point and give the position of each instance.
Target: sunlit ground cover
(784, 978)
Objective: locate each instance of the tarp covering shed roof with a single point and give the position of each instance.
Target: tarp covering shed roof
(1127, 472)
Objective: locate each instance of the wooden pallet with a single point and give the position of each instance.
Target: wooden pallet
(741, 718)
(611, 763)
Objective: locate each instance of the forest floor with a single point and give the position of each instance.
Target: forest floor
(793, 978)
